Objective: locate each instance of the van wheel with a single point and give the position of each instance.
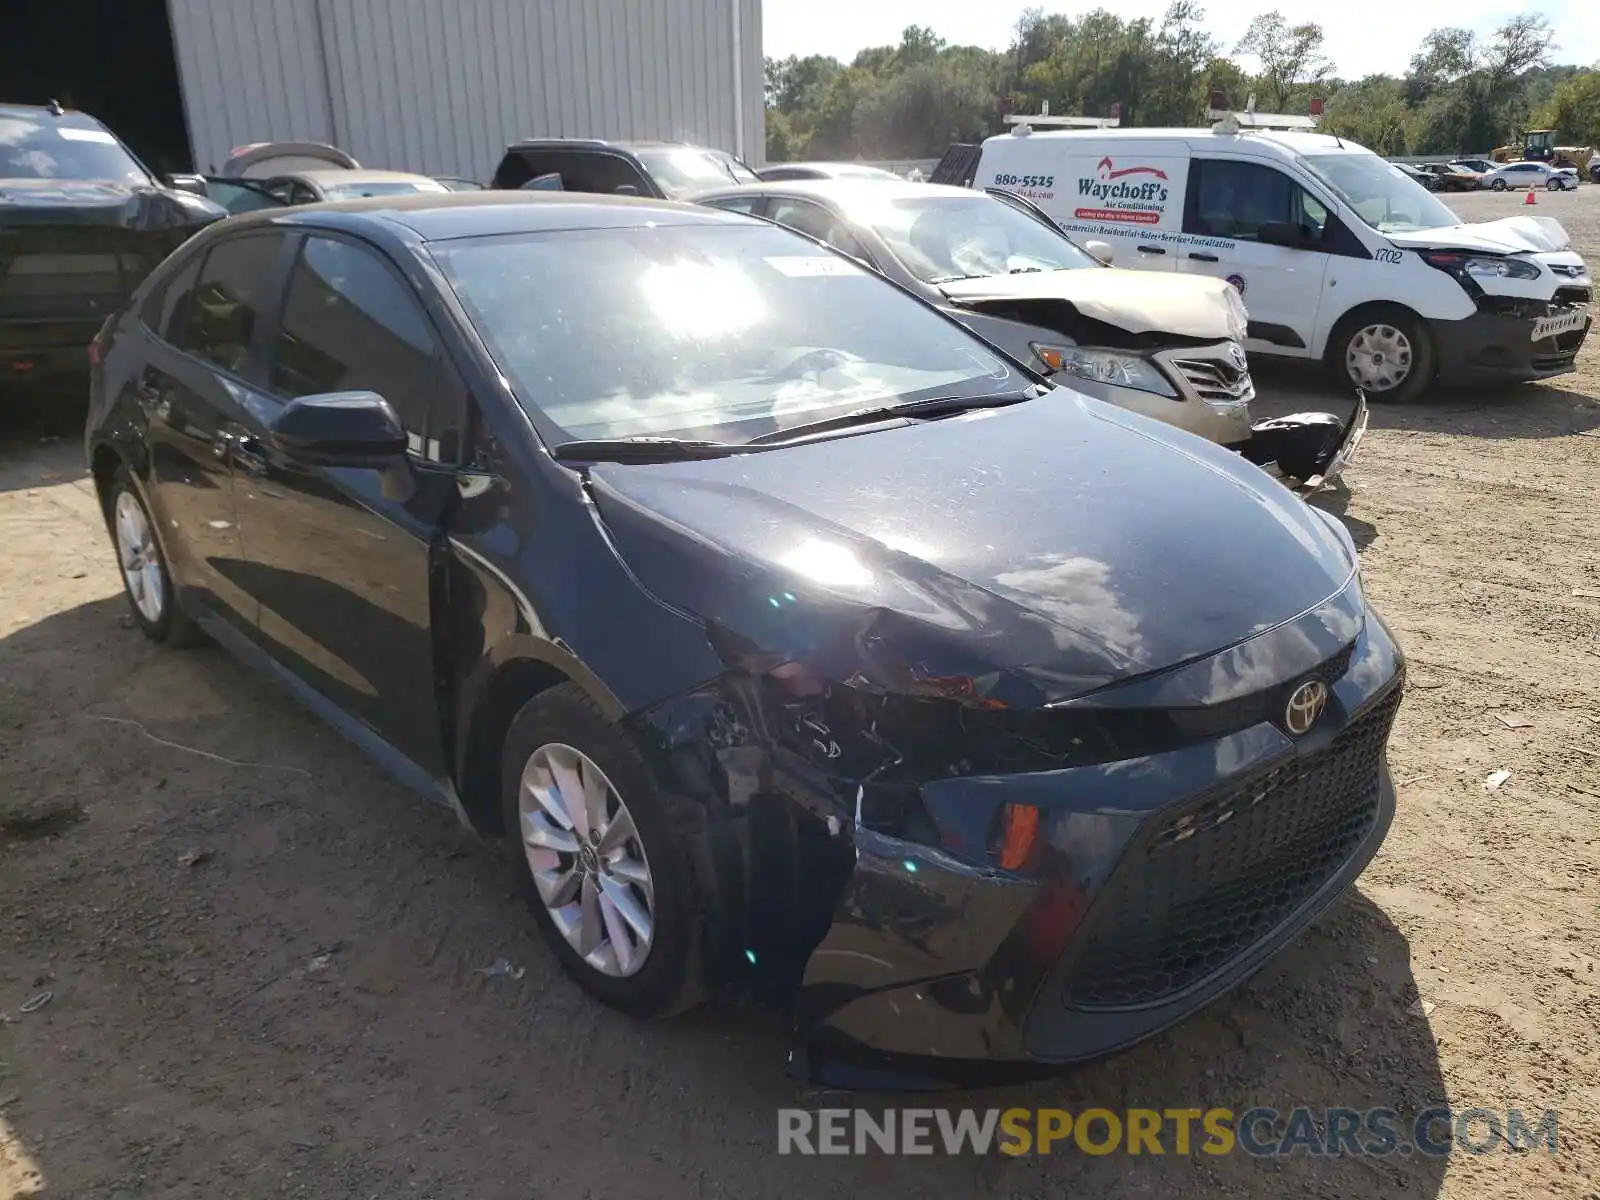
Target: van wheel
(1385, 351)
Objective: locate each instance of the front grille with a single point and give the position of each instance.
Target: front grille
(1216, 379)
(1230, 716)
(1212, 881)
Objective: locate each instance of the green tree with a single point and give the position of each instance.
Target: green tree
(1574, 110)
(1290, 55)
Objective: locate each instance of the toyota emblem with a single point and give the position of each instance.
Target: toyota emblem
(1305, 706)
(1237, 358)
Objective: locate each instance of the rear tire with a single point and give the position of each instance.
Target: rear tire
(145, 579)
(1384, 350)
(589, 893)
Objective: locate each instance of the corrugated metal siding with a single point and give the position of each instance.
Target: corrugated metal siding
(441, 86)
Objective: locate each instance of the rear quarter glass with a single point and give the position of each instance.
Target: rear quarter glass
(1124, 191)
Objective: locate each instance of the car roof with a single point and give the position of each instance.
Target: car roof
(439, 216)
(842, 191)
(68, 118)
(566, 143)
(1277, 143)
(341, 175)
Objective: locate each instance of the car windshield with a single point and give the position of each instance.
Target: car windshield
(386, 187)
(680, 170)
(63, 148)
(720, 332)
(940, 238)
(1380, 193)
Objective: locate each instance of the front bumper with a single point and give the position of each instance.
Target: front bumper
(1497, 343)
(1158, 883)
(1213, 400)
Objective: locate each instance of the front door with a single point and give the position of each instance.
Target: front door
(340, 558)
(1227, 203)
(197, 397)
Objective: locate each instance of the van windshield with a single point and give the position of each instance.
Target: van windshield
(1380, 193)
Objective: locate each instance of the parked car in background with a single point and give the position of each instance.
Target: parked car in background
(1565, 177)
(785, 627)
(822, 170)
(82, 222)
(664, 170)
(1523, 175)
(315, 187)
(1479, 166)
(1449, 177)
(1165, 346)
(1418, 176)
(454, 183)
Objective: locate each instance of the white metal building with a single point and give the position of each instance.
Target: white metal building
(442, 86)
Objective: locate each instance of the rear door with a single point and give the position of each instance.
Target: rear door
(197, 393)
(340, 557)
(1228, 201)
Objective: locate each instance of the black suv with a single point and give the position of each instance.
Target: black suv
(82, 221)
(664, 170)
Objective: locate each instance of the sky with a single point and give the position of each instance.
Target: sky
(1364, 36)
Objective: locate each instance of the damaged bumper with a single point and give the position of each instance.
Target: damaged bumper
(1311, 447)
(1137, 892)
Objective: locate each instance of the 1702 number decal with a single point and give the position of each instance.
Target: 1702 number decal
(1388, 256)
(1041, 181)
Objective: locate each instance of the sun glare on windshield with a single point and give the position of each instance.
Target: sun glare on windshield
(700, 300)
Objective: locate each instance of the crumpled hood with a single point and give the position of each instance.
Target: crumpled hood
(1509, 235)
(1043, 550)
(1139, 302)
(102, 202)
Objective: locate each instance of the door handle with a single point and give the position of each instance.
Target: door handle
(1151, 250)
(148, 391)
(243, 450)
(1203, 257)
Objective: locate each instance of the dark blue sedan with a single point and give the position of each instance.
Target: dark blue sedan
(795, 635)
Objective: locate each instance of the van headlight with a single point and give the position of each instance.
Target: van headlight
(1105, 366)
(1480, 267)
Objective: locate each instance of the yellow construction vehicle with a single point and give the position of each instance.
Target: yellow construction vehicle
(1538, 146)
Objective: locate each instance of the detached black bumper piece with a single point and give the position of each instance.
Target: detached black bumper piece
(1498, 343)
(1153, 886)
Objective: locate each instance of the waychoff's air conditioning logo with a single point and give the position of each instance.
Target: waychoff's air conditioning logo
(1136, 193)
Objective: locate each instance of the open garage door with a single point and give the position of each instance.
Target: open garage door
(114, 61)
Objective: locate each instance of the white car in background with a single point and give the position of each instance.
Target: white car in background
(1528, 175)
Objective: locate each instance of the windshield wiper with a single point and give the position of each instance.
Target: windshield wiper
(640, 450)
(937, 406)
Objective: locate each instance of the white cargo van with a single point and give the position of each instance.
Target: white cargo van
(1338, 256)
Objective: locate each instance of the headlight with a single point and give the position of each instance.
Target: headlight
(1105, 366)
(1481, 268)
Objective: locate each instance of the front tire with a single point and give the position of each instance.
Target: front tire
(1385, 351)
(1553, 185)
(601, 856)
(1499, 185)
(145, 578)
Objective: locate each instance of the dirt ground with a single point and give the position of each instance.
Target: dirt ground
(262, 959)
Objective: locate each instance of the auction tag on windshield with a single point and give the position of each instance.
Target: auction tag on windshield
(88, 135)
(797, 267)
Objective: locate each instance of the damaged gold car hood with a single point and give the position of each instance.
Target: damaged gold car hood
(1136, 301)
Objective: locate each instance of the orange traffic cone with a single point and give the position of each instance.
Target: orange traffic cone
(1530, 199)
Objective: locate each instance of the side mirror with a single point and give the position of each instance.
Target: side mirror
(340, 429)
(1100, 251)
(195, 185)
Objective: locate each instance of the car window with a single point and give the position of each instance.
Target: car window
(578, 171)
(679, 170)
(1379, 194)
(299, 193)
(946, 236)
(238, 196)
(219, 321)
(1235, 199)
(382, 187)
(162, 307)
(716, 330)
(350, 323)
(816, 221)
(70, 147)
(738, 204)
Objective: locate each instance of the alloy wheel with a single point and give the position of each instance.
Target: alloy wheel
(140, 558)
(587, 860)
(1378, 358)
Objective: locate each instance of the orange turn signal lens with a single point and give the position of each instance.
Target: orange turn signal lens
(1021, 835)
